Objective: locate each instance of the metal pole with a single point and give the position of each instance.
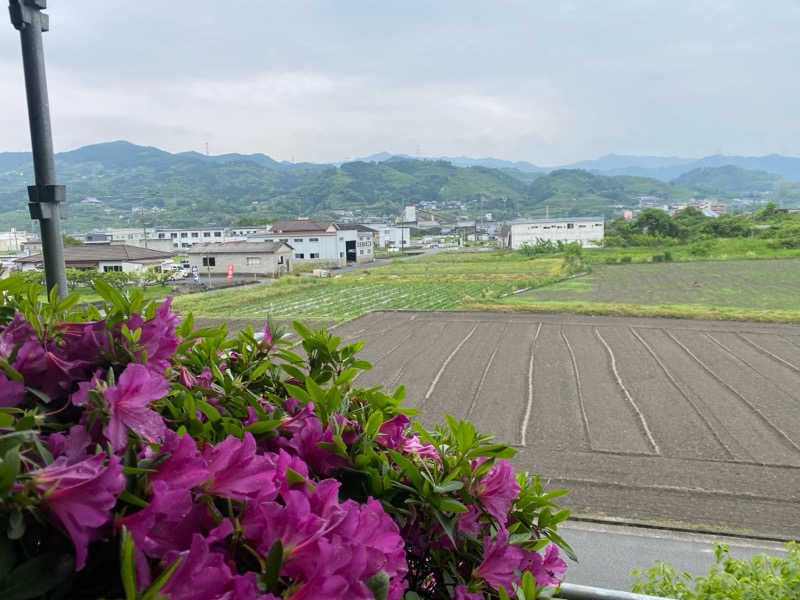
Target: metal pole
(46, 196)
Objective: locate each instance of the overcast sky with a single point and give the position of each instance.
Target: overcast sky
(547, 81)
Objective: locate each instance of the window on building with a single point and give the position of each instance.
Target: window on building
(130, 236)
(313, 239)
(570, 225)
(253, 260)
(175, 244)
(217, 234)
(299, 255)
(161, 236)
(298, 239)
(361, 251)
(209, 261)
(280, 260)
(184, 234)
(341, 254)
(195, 234)
(598, 224)
(314, 255)
(173, 235)
(206, 234)
(284, 240)
(108, 268)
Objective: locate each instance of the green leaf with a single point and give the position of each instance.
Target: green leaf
(155, 587)
(37, 576)
(9, 468)
(6, 419)
(297, 392)
(493, 450)
(208, 410)
(346, 376)
(131, 498)
(126, 566)
(25, 423)
(110, 294)
(373, 424)
(450, 486)
(451, 505)
(378, 584)
(273, 566)
(263, 426)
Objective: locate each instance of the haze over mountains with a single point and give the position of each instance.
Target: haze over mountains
(190, 188)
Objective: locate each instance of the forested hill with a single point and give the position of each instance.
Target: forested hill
(138, 184)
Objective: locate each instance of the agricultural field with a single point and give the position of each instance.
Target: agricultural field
(443, 281)
(754, 289)
(662, 420)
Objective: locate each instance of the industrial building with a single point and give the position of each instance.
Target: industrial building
(587, 231)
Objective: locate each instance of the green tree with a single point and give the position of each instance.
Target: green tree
(68, 240)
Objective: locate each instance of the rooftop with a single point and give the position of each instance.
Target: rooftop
(302, 225)
(243, 247)
(97, 252)
(556, 220)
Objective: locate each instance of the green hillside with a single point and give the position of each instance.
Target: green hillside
(729, 180)
(138, 184)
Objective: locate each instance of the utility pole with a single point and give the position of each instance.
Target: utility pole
(46, 196)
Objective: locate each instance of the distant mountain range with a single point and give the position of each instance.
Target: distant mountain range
(138, 184)
(665, 168)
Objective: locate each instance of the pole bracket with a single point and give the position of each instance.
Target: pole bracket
(21, 12)
(45, 201)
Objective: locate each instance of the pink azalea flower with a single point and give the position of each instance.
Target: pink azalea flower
(17, 332)
(267, 339)
(546, 570)
(413, 445)
(168, 522)
(81, 496)
(469, 522)
(158, 337)
(12, 393)
(128, 401)
(185, 467)
(390, 433)
(236, 470)
(72, 446)
(500, 560)
(205, 575)
(497, 489)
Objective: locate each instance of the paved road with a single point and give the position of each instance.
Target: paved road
(608, 553)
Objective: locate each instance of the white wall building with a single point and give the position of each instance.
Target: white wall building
(410, 213)
(322, 242)
(585, 230)
(391, 236)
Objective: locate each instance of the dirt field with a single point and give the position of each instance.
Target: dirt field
(656, 419)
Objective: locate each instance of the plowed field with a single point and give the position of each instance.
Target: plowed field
(657, 419)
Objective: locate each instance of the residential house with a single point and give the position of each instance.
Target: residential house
(267, 259)
(103, 258)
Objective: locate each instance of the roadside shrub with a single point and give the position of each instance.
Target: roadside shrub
(143, 458)
(701, 248)
(540, 248)
(785, 242)
(733, 579)
(657, 258)
(625, 259)
(611, 260)
(667, 256)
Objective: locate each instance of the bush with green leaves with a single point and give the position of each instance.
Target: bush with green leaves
(142, 458)
(759, 578)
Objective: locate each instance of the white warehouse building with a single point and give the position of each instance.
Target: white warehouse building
(585, 230)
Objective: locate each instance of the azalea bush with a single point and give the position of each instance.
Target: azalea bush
(142, 458)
